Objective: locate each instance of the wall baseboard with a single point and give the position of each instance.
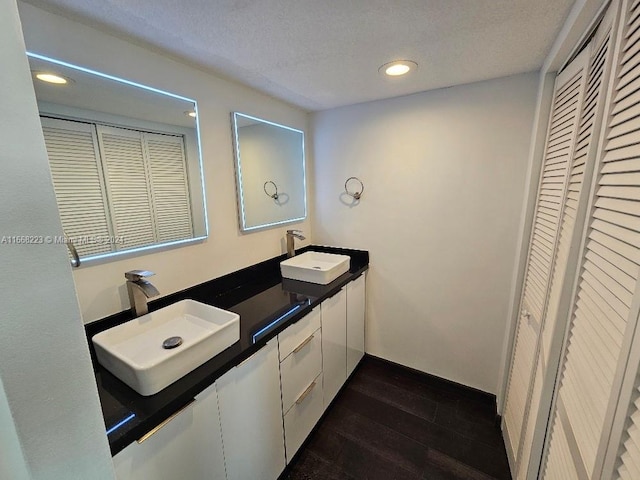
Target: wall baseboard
(470, 391)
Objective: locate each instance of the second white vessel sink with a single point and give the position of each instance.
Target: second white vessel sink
(154, 350)
(315, 267)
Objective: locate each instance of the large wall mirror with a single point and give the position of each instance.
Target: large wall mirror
(270, 173)
(124, 158)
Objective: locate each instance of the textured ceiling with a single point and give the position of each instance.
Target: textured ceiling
(320, 54)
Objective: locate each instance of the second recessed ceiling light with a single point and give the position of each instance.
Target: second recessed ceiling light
(398, 68)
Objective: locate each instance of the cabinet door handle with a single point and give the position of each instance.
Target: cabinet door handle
(155, 430)
(303, 344)
(305, 393)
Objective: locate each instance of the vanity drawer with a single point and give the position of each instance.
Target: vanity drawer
(302, 417)
(297, 333)
(298, 370)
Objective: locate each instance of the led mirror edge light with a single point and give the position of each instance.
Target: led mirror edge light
(202, 180)
(304, 175)
(241, 211)
(105, 256)
(107, 76)
(238, 166)
(274, 224)
(268, 122)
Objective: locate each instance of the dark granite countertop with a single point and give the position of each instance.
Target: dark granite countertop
(266, 303)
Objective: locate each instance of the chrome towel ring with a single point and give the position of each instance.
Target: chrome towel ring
(357, 194)
(272, 195)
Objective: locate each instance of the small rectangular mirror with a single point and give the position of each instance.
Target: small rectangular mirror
(125, 160)
(270, 173)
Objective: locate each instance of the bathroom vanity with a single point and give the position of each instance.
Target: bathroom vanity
(245, 412)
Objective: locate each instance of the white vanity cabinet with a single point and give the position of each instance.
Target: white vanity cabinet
(300, 348)
(263, 409)
(251, 417)
(355, 322)
(189, 445)
(334, 344)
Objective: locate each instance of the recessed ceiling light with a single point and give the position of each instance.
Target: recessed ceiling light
(191, 113)
(398, 68)
(52, 78)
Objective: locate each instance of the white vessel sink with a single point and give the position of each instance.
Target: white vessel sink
(315, 267)
(134, 351)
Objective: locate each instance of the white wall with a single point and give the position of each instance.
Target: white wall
(444, 173)
(50, 419)
(12, 463)
(100, 288)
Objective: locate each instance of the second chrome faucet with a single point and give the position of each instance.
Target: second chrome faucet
(291, 235)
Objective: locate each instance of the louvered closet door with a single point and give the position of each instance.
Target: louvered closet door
(124, 165)
(569, 93)
(605, 308)
(169, 186)
(566, 255)
(627, 466)
(622, 460)
(77, 178)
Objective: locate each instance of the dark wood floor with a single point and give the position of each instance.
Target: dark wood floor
(391, 423)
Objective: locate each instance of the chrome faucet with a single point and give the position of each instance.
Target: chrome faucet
(291, 234)
(140, 289)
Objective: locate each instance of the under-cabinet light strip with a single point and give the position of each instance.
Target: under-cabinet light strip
(121, 423)
(262, 330)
